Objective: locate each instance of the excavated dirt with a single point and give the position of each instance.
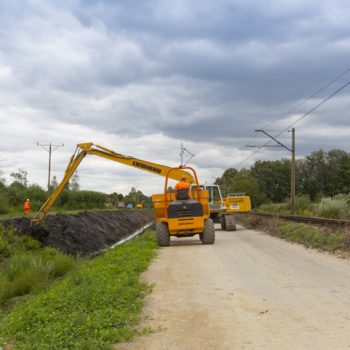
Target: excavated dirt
(84, 233)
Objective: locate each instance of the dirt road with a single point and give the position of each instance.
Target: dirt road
(248, 291)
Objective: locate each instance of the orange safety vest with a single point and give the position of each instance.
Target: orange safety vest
(182, 184)
(26, 205)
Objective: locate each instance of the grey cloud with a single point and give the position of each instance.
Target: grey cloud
(194, 71)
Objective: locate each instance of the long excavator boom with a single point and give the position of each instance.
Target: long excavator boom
(89, 148)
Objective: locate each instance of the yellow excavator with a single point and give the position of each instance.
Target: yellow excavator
(214, 198)
(233, 203)
(84, 149)
(178, 214)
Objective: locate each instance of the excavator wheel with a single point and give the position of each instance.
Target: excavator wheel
(208, 235)
(228, 223)
(223, 223)
(163, 237)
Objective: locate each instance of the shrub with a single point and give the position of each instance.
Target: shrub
(3, 282)
(4, 247)
(31, 271)
(26, 281)
(4, 202)
(302, 204)
(61, 265)
(278, 208)
(335, 242)
(28, 262)
(311, 236)
(28, 243)
(333, 208)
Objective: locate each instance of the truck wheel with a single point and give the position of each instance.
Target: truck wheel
(163, 237)
(208, 235)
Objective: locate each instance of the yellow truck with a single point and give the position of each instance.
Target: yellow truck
(183, 213)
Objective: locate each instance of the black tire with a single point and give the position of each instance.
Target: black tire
(208, 235)
(223, 223)
(163, 237)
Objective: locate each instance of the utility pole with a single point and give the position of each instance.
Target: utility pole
(293, 170)
(50, 148)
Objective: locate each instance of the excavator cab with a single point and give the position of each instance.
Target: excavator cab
(183, 213)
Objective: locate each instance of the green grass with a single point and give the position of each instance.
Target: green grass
(19, 214)
(25, 267)
(308, 235)
(311, 236)
(95, 305)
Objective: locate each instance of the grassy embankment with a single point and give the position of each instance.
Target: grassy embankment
(310, 236)
(93, 305)
(337, 207)
(25, 267)
(18, 214)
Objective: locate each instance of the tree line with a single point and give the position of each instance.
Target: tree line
(320, 174)
(12, 196)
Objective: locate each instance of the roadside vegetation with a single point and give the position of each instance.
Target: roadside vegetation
(93, 306)
(310, 236)
(26, 267)
(337, 207)
(322, 184)
(12, 196)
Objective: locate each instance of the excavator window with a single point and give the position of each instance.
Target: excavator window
(214, 195)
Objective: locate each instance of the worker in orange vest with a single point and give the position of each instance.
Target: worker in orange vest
(27, 207)
(182, 184)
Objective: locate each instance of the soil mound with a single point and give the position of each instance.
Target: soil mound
(84, 233)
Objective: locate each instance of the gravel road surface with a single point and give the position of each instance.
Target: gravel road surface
(248, 291)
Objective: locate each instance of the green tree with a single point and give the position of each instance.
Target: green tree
(273, 178)
(20, 177)
(2, 179)
(241, 181)
(135, 197)
(226, 180)
(244, 182)
(74, 182)
(53, 184)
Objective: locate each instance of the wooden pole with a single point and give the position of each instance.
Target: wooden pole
(293, 171)
(49, 177)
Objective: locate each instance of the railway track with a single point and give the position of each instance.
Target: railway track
(305, 219)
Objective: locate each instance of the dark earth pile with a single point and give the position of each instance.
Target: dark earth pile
(84, 233)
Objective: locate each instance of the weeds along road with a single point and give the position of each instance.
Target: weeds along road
(248, 291)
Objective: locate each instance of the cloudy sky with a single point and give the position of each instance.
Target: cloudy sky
(141, 77)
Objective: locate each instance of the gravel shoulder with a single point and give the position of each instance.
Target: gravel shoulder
(248, 291)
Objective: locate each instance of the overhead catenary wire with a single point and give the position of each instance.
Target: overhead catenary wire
(303, 116)
(306, 99)
(294, 123)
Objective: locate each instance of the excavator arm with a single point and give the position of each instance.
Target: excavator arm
(84, 149)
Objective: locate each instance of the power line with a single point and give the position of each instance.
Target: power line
(50, 148)
(297, 121)
(314, 108)
(305, 100)
(309, 97)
